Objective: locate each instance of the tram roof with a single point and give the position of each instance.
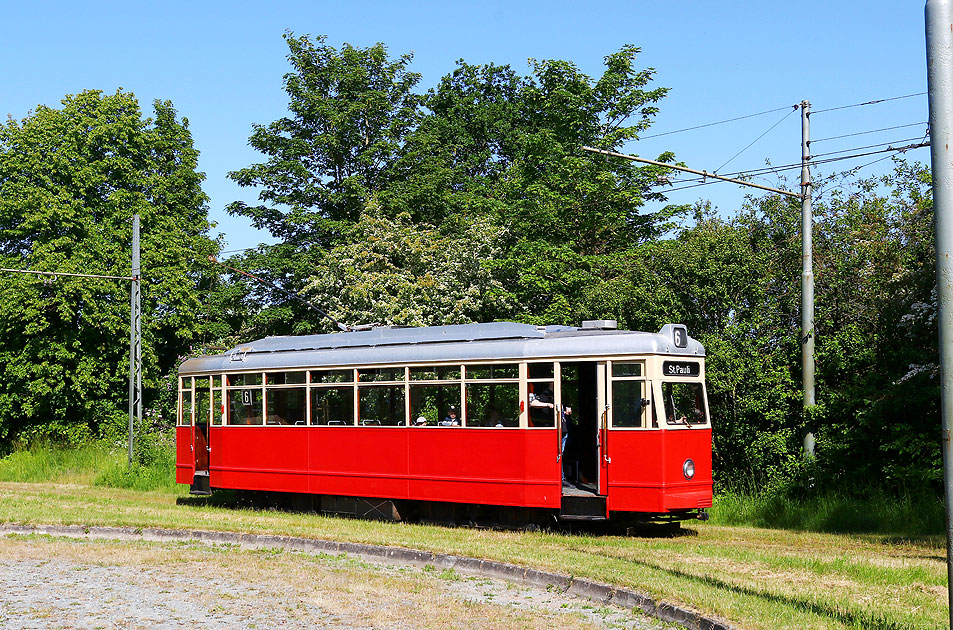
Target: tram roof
(432, 344)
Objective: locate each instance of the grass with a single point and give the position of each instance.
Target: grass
(755, 578)
(733, 567)
(96, 463)
(906, 516)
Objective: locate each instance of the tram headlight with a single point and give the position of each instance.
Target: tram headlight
(688, 469)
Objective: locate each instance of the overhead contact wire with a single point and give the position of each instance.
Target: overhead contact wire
(711, 124)
(874, 102)
(755, 140)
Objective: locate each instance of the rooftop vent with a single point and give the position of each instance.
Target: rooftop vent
(600, 324)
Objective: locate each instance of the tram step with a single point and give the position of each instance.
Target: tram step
(200, 485)
(588, 508)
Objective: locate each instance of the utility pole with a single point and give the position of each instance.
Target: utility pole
(807, 277)
(135, 339)
(939, 40)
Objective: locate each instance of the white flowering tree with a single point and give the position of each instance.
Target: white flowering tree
(392, 271)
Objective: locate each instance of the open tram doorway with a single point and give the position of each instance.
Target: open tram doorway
(200, 435)
(579, 391)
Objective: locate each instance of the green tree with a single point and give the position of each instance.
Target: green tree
(70, 181)
(349, 112)
(508, 146)
(877, 331)
(736, 284)
(486, 142)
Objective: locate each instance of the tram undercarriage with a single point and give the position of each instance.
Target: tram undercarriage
(580, 512)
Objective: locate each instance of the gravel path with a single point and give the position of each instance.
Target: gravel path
(60, 583)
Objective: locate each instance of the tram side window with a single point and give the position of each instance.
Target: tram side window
(493, 404)
(285, 378)
(493, 371)
(684, 403)
(332, 406)
(381, 405)
(332, 376)
(203, 400)
(376, 375)
(217, 401)
(185, 413)
(435, 373)
(286, 406)
(239, 380)
(244, 406)
(542, 400)
(433, 403)
(627, 408)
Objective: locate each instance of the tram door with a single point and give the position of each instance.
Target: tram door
(582, 390)
(602, 439)
(200, 444)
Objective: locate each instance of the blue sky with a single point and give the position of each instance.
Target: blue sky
(221, 64)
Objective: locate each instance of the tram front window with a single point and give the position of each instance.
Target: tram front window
(684, 403)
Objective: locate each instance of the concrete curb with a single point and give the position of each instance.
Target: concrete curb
(584, 589)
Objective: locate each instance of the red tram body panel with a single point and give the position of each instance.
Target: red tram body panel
(635, 442)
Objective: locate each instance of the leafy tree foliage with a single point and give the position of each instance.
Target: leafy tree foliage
(70, 181)
(507, 146)
(485, 144)
(349, 112)
(391, 271)
(877, 332)
(736, 283)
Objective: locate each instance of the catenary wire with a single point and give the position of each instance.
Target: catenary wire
(861, 133)
(785, 167)
(874, 102)
(824, 161)
(720, 122)
(869, 146)
(755, 140)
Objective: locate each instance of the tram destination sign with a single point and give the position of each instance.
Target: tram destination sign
(681, 368)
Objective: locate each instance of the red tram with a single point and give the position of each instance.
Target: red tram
(557, 422)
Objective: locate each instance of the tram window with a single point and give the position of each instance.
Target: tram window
(433, 402)
(435, 373)
(540, 370)
(380, 374)
(285, 378)
(493, 405)
(202, 383)
(504, 370)
(244, 406)
(237, 380)
(332, 405)
(203, 402)
(286, 406)
(332, 376)
(185, 419)
(627, 408)
(626, 369)
(541, 413)
(684, 403)
(217, 402)
(382, 405)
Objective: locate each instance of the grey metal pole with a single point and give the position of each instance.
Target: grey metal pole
(939, 41)
(807, 274)
(135, 340)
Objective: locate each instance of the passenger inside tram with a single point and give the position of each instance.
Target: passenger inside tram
(451, 419)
